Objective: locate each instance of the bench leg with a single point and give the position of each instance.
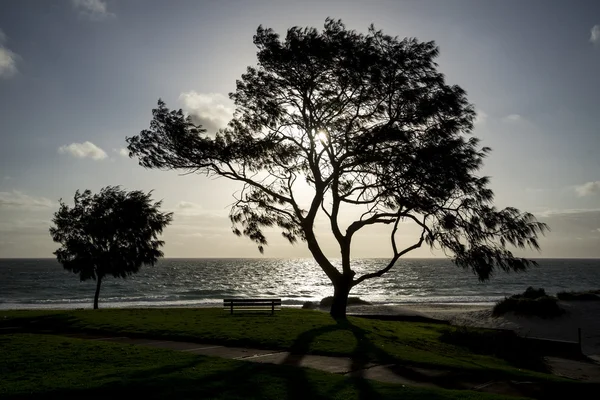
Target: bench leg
(231, 309)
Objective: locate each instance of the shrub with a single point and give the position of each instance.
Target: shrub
(533, 302)
(502, 344)
(531, 293)
(309, 305)
(352, 301)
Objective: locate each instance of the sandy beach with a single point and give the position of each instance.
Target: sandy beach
(579, 314)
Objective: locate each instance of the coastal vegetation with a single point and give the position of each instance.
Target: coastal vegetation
(586, 295)
(112, 233)
(506, 345)
(352, 301)
(532, 302)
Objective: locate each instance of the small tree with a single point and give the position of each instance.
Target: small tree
(368, 122)
(110, 233)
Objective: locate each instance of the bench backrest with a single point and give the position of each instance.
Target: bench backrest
(252, 304)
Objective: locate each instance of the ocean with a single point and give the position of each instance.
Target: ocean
(43, 283)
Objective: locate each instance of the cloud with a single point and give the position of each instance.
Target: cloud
(17, 199)
(595, 35)
(534, 190)
(480, 118)
(513, 118)
(566, 212)
(123, 152)
(200, 235)
(570, 223)
(212, 110)
(25, 226)
(8, 59)
(187, 208)
(188, 205)
(83, 150)
(588, 188)
(8, 63)
(189, 216)
(194, 214)
(94, 10)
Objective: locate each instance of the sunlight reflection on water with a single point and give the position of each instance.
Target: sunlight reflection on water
(184, 282)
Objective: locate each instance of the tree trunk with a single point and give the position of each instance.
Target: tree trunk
(98, 282)
(341, 290)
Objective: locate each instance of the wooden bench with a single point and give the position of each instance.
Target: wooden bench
(270, 305)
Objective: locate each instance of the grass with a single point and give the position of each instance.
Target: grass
(588, 295)
(300, 331)
(502, 344)
(49, 367)
(533, 302)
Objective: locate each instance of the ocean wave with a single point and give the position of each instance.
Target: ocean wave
(43, 283)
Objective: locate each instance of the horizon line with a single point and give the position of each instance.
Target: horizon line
(308, 257)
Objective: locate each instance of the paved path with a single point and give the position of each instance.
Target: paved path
(397, 374)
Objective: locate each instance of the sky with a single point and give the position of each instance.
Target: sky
(79, 76)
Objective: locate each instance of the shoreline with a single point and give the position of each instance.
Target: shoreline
(377, 308)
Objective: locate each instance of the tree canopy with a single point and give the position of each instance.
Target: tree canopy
(113, 233)
(367, 121)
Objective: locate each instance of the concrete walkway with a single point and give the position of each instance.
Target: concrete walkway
(397, 374)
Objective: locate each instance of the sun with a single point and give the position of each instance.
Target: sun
(322, 136)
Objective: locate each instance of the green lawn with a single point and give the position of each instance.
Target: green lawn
(300, 331)
(48, 367)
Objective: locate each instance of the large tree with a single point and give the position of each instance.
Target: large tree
(368, 122)
(113, 233)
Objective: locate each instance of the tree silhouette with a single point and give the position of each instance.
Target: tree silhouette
(110, 233)
(368, 122)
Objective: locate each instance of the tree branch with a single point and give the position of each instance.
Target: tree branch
(392, 261)
(383, 218)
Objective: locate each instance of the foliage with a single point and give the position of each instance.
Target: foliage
(50, 367)
(113, 233)
(326, 301)
(302, 331)
(588, 295)
(309, 305)
(532, 293)
(532, 302)
(369, 124)
(110, 233)
(502, 344)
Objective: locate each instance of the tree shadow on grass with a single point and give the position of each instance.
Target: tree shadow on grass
(297, 383)
(201, 377)
(367, 351)
(53, 322)
(367, 354)
(363, 354)
(506, 345)
(248, 381)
